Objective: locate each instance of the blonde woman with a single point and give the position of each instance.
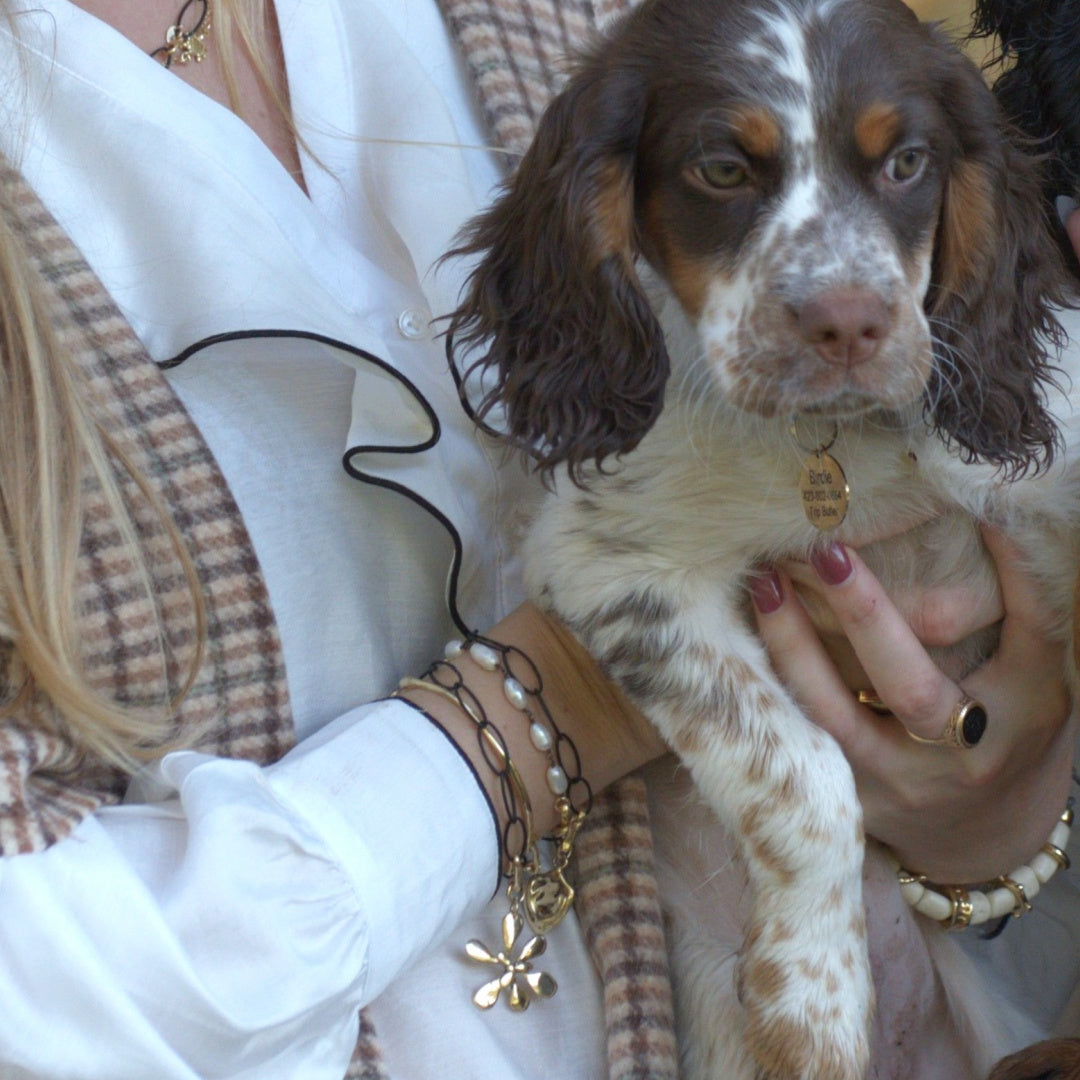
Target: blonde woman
(221, 839)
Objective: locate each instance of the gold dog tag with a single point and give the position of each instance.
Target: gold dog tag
(824, 490)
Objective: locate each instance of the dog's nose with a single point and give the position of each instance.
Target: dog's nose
(845, 326)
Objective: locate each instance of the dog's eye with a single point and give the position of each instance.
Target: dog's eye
(722, 174)
(905, 165)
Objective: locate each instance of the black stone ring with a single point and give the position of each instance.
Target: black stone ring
(965, 727)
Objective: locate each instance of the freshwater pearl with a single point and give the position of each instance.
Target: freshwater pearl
(484, 655)
(540, 736)
(515, 693)
(557, 782)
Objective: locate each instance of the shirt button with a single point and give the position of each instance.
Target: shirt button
(413, 324)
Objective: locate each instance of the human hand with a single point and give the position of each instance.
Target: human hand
(954, 815)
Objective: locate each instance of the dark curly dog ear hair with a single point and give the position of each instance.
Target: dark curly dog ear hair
(555, 303)
(998, 276)
(1039, 87)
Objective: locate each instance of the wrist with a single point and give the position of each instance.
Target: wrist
(611, 738)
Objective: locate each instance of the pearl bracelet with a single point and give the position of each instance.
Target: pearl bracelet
(538, 897)
(956, 906)
(524, 690)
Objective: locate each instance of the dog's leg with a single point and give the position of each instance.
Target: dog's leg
(933, 1020)
(784, 789)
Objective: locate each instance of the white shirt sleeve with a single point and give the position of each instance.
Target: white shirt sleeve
(234, 924)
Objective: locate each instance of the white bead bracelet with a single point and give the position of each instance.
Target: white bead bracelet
(957, 906)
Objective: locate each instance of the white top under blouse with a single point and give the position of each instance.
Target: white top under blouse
(228, 920)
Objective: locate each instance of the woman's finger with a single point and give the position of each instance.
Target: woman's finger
(941, 616)
(1029, 655)
(1025, 631)
(804, 665)
(899, 668)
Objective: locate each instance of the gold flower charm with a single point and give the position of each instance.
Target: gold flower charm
(518, 976)
(182, 47)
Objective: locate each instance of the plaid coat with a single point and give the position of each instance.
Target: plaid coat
(238, 706)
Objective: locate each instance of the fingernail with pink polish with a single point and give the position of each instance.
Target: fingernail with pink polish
(766, 590)
(832, 564)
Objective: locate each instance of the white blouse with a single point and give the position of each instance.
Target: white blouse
(229, 920)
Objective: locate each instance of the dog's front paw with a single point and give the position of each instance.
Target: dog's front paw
(808, 998)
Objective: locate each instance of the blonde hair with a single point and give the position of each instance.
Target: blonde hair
(248, 22)
(56, 451)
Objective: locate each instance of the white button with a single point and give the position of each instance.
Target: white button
(413, 324)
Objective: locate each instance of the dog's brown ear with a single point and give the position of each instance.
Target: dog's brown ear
(1055, 1059)
(574, 354)
(997, 277)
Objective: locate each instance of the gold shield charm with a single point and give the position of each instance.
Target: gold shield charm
(548, 897)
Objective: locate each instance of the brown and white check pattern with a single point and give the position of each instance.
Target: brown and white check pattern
(619, 907)
(515, 51)
(238, 705)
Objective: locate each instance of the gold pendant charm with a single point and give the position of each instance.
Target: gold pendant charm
(186, 46)
(548, 897)
(183, 48)
(824, 491)
(517, 977)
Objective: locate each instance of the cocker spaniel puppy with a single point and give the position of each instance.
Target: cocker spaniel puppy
(773, 272)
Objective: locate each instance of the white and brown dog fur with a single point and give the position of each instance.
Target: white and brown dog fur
(740, 214)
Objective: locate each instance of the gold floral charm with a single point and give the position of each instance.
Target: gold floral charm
(517, 976)
(186, 46)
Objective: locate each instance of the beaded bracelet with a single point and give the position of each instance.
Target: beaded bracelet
(956, 907)
(524, 689)
(536, 896)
